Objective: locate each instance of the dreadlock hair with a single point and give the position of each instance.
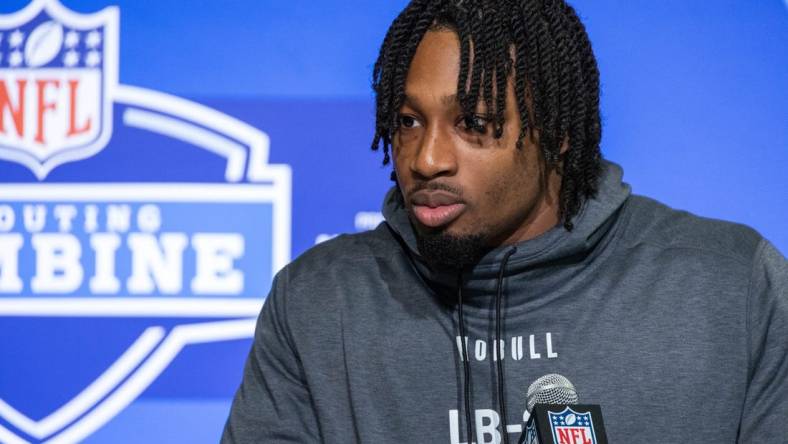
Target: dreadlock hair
(556, 79)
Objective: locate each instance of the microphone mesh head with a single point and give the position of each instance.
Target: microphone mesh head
(551, 389)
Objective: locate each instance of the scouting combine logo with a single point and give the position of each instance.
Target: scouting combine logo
(570, 427)
(104, 282)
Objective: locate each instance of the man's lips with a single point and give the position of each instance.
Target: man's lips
(434, 217)
(436, 208)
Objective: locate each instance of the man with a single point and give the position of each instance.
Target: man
(511, 251)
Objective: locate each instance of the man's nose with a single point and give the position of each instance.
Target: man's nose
(436, 155)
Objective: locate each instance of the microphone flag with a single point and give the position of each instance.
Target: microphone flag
(565, 424)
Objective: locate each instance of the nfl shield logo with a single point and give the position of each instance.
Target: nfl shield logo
(571, 427)
(58, 73)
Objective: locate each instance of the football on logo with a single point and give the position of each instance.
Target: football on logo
(103, 284)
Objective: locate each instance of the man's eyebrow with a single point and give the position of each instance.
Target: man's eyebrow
(450, 100)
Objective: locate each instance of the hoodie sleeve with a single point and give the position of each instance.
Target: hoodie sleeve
(766, 403)
(273, 403)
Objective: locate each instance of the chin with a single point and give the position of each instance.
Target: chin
(449, 248)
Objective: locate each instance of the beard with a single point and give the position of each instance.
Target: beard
(437, 247)
(455, 251)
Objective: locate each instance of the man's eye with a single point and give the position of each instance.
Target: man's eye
(408, 122)
(473, 122)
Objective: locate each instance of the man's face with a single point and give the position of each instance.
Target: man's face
(457, 179)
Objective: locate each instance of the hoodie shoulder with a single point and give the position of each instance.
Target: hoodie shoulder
(651, 222)
(345, 252)
(336, 277)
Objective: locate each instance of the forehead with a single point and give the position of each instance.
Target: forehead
(435, 67)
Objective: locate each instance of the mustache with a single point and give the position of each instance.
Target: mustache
(434, 186)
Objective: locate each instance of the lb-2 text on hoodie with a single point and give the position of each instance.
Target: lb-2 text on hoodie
(675, 324)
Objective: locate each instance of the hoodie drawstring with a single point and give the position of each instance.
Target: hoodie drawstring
(498, 351)
(499, 361)
(465, 367)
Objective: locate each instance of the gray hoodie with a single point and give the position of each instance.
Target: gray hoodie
(676, 325)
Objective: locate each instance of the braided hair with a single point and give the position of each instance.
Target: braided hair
(556, 79)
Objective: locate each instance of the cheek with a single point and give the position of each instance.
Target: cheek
(407, 137)
(491, 188)
(511, 189)
(402, 149)
(504, 200)
(401, 179)
(397, 158)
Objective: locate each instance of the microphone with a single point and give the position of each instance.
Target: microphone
(551, 389)
(557, 418)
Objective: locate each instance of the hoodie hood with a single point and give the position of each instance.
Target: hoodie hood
(557, 246)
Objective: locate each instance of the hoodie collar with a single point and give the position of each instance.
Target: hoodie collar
(591, 224)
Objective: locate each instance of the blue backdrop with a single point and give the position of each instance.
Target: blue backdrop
(248, 124)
